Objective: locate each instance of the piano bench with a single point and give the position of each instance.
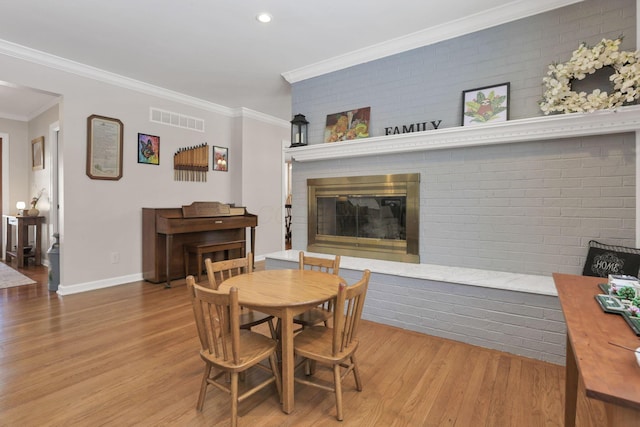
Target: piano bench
(204, 248)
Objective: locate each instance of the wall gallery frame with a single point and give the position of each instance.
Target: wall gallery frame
(485, 104)
(220, 159)
(148, 149)
(37, 153)
(104, 147)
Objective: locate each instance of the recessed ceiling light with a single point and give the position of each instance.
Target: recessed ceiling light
(264, 18)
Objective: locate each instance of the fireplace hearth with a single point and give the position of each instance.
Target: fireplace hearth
(365, 216)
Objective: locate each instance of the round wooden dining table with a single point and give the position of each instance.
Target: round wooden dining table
(284, 294)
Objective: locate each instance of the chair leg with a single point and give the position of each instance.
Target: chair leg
(234, 399)
(279, 339)
(310, 367)
(338, 390)
(356, 373)
(273, 361)
(203, 386)
(272, 330)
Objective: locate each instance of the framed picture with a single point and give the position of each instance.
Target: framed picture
(104, 147)
(148, 149)
(485, 104)
(37, 153)
(220, 159)
(347, 125)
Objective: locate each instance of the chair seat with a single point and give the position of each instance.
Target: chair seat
(316, 343)
(312, 317)
(251, 318)
(254, 347)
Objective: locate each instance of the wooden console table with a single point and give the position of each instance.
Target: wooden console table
(21, 225)
(609, 374)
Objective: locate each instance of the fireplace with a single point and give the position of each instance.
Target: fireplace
(365, 216)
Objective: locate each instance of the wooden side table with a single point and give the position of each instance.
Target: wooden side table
(21, 225)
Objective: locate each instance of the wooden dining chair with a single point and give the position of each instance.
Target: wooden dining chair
(226, 347)
(218, 272)
(336, 346)
(323, 312)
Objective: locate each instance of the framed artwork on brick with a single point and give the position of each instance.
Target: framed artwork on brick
(348, 125)
(485, 104)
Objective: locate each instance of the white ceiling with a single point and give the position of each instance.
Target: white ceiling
(216, 51)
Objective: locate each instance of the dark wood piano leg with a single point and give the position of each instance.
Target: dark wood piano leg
(253, 246)
(169, 241)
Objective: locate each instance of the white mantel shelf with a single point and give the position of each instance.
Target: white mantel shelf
(624, 119)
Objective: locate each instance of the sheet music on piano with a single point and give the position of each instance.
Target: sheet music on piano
(209, 209)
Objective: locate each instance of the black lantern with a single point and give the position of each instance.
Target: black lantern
(299, 135)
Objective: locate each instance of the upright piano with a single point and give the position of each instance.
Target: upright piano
(165, 231)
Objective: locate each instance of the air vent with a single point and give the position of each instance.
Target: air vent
(177, 120)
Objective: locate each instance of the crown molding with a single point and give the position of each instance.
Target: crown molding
(445, 31)
(256, 115)
(82, 70)
(44, 108)
(16, 117)
(624, 119)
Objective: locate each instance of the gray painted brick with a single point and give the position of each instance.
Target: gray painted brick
(527, 207)
(529, 325)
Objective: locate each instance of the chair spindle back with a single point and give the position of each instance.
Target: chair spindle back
(217, 321)
(327, 265)
(219, 271)
(347, 313)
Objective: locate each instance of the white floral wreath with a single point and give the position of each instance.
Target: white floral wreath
(558, 96)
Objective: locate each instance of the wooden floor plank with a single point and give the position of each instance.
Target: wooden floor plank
(128, 355)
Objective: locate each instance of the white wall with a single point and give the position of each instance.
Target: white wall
(41, 179)
(14, 136)
(99, 218)
(261, 156)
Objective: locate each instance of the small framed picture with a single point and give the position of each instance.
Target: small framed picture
(148, 149)
(220, 159)
(37, 153)
(485, 104)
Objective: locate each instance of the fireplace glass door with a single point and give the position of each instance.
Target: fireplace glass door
(369, 216)
(377, 217)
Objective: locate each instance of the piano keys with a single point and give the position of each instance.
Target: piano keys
(165, 231)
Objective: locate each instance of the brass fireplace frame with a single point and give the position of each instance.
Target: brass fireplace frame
(374, 185)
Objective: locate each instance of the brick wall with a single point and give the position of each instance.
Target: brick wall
(426, 83)
(526, 207)
(521, 323)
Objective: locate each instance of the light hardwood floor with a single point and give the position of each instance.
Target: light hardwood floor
(128, 355)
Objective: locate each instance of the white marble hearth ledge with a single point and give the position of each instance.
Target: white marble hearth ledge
(542, 285)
